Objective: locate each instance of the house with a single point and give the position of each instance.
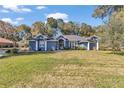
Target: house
(44, 43)
(73, 41)
(6, 43)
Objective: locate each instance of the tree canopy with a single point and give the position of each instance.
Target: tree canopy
(106, 10)
(114, 27)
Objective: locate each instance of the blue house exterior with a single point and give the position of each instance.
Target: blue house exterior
(44, 43)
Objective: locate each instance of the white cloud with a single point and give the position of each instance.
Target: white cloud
(5, 11)
(58, 16)
(14, 22)
(40, 7)
(9, 20)
(16, 8)
(25, 10)
(19, 19)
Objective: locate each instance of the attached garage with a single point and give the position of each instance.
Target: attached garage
(93, 46)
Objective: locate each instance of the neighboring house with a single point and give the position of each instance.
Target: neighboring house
(6, 43)
(44, 43)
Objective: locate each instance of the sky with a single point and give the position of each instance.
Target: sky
(28, 14)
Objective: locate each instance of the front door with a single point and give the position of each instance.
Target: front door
(41, 46)
(61, 44)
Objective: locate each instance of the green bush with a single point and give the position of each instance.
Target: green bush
(14, 50)
(81, 48)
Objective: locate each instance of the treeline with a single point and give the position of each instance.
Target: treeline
(111, 33)
(70, 28)
(23, 32)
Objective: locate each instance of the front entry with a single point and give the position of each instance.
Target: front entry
(93, 46)
(61, 44)
(41, 46)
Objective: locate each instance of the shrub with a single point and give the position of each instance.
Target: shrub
(8, 51)
(14, 50)
(81, 48)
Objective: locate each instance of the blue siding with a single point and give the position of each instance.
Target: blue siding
(67, 44)
(52, 45)
(32, 45)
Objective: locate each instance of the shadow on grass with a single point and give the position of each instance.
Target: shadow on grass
(117, 53)
(27, 53)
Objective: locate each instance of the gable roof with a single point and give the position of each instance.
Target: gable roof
(84, 39)
(68, 37)
(72, 37)
(5, 41)
(40, 36)
(93, 38)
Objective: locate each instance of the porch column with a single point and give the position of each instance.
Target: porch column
(97, 45)
(88, 46)
(64, 43)
(45, 45)
(36, 45)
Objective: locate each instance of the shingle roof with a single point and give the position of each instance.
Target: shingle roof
(76, 38)
(84, 39)
(5, 41)
(73, 37)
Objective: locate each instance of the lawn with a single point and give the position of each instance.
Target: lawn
(63, 69)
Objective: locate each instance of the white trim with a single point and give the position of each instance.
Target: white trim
(36, 45)
(45, 45)
(63, 40)
(97, 45)
(51, 40)
(88, 46)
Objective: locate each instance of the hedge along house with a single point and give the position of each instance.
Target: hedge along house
(44, 43)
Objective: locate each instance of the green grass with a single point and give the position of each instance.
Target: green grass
(63, 69)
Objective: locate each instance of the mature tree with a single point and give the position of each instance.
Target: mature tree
(49, 30)
(86, 30)
(76, 29)
(7, 30)
(114, 25)
(23, 32)
(38, 27)
(70, 28)
(116, 30)
(52, 22)
(23, 27)
(106, 10)
(103, 36)
(60, 23)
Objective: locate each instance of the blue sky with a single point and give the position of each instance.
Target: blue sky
(30, 13)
